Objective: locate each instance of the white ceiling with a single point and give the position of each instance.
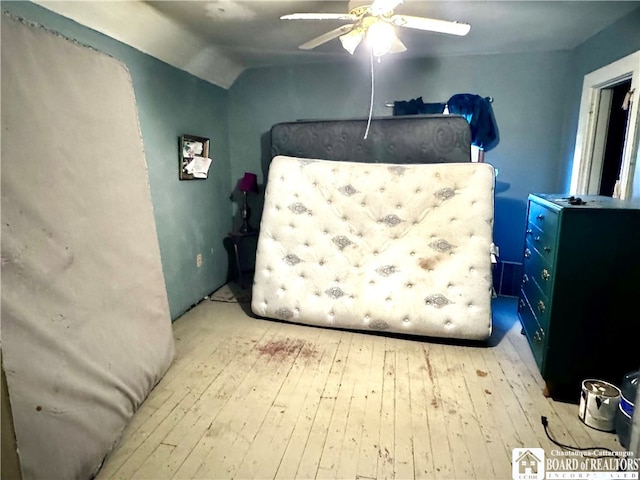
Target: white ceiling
(216, 40)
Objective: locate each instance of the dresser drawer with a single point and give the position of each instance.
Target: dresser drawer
(545, 219)
(538, 301)
(538, 269)
(534, 333)
(544, 241)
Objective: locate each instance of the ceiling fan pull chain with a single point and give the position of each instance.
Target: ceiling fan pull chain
(366, 132)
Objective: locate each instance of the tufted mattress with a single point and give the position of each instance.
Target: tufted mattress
(385, 247)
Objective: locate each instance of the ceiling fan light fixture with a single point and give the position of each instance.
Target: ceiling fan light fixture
(381, 38)
(382, 7)
(376, 23)
(398, 46)
(351, 40)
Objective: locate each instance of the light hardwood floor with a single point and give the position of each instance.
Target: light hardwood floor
(253, 398)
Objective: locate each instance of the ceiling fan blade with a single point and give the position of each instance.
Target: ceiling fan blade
(335, 33)
(430, 24)
(347, 17)
(380, 7)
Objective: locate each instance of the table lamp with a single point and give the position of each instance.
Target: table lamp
(248, 183)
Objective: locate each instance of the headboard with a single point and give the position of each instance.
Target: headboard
(410, 139)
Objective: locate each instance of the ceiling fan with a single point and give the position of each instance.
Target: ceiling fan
(375, 22)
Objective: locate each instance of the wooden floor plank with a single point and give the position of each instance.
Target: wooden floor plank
(386, 443)
(196, 340)
(212, 404)
(310, 461)
(452, 412)
(505, 398)
(348, 461)
(252, 398)
(470, 423)
(497, 430)
(123, 463)
(403, 449)
(370, 440)
(330, 459)
(242, 417)
(307, 411)
(420, 402)
(441, 447)
(284, 410)
(188, 415)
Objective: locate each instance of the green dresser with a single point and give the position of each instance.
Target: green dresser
(579, 300)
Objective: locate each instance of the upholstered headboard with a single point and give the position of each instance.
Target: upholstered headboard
(411, 139)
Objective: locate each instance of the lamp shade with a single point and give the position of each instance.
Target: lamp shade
(381, 38)
(248, 183)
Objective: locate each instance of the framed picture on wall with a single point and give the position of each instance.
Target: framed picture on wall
(194, 158)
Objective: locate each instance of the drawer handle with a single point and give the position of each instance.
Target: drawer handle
(537, 238)
(529, 231)
(541, 307)
(527, 253)
(545, 274)
(540, 216)
(536, 336)
(521, 303)
(525, 278)
(547, 249)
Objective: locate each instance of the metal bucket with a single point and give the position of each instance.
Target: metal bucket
(598, 404)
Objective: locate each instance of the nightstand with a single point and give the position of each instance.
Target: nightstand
(241, 253)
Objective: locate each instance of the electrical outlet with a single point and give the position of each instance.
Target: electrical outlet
(199, 260)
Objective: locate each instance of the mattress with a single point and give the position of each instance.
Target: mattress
(412, 139)
(86, 327)
(383, 247)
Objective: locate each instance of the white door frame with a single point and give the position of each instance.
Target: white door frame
(586, 145)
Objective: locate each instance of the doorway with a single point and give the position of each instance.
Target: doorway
(606, 140)
(613, 145)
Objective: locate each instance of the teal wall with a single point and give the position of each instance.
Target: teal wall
(528, 91)
(191, 216)
(617, 41)
(536, 103)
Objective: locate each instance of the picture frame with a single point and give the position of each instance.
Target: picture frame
(190, 147)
